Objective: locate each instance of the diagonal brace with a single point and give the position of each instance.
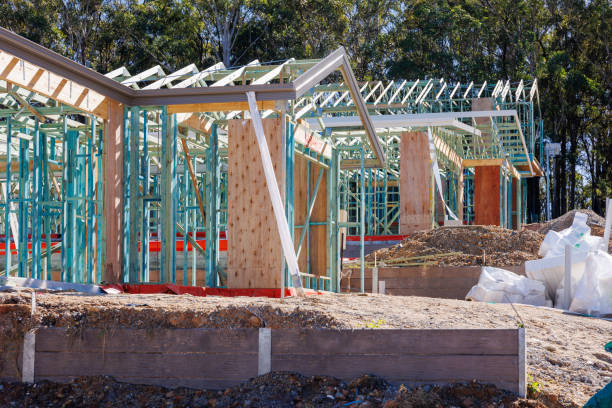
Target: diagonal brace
(275, 197)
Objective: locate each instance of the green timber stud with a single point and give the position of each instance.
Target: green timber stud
(185, 211)
(216, 209)
(99, 211)
(502, 222)
(69, 203)
(23, 207)
(333, 230)
(306, 226)
(36, 202)
(194, 223)
(145, 172)
(213, 175)
(75, 183)
(7, 197)
(337, 271)
(46, 272)
(168, 198)
(133, 196)
(519, 199)
(64, 218)
(125, 245)
(289, 188)
(362, 222)
(80, 205)
(90, 203)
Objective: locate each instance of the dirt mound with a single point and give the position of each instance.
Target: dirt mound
(149, 312)
(595, 221)
(460, 246)
(270, 390)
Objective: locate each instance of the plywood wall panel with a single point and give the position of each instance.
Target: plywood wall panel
(415, 183)
(486, 195)
(254, 249)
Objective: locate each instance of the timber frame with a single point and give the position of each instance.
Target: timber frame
(108, 170)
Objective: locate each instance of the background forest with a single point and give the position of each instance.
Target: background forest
(564, 43)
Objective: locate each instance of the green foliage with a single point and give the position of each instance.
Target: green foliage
(375, 324)
(534, 388)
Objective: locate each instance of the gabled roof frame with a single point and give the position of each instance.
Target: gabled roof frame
(46, 59)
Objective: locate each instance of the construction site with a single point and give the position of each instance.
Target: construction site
(281, 234)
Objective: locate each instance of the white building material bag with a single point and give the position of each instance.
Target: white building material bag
(577, 236)
(551, 268)
(501, 286)
(594, 290)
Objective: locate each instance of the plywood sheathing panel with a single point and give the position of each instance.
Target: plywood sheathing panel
(486, 195)
(318, 233)
(254, 249)
(415, 183)
(113, 191)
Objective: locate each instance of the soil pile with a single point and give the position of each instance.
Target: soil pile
(271, 390)
(595, 221)
(461, 246)
(75, 311)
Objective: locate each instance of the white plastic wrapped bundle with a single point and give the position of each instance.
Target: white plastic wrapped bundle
(551, 268)
(594, 290)
(502, 286)
(577, 236)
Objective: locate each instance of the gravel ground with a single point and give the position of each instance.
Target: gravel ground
(565, 352)
(271, 390)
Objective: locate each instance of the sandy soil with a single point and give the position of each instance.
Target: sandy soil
(565, 352)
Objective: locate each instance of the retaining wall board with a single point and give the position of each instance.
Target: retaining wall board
(11, 360)
(220, 358)
(447, 282)
(209, 358)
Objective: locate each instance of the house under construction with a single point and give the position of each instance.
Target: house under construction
(245, 177)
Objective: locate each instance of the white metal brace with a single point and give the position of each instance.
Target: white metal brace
(275, 197)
